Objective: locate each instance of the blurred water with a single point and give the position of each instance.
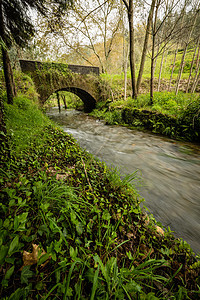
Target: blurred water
(169, 171)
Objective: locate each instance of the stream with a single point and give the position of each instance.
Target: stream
(168, 170)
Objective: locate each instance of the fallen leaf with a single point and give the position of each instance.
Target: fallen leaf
(160, 230)
(33, 257)
(130, 235)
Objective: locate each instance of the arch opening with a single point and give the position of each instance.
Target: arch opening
(88, 100)
(89, 103)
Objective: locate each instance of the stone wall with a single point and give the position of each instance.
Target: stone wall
(30, 66)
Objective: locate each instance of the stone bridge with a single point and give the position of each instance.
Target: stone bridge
(83, 81)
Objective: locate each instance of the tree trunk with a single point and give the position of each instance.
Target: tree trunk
(182, 20)
(181, 69)
(196, 75)
(145, 46)
(170, 81)
(132, 50)
(153, 53)
(64, 101)
(188, 83)
(125, 73)
(184, 53)
(195, 84)
(125, 62)
(58, 99)
(125, 53)
(161, 66)
(8, 74)
(152, 72)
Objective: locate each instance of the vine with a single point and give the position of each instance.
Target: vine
(48, 73)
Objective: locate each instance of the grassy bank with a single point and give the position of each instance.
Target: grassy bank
(72, 229)
(174, 116)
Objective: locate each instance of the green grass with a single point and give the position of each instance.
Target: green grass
(164, 102)
(24, 121)
(116, 81)
(167, 66)
(176, 116)
(97, 240)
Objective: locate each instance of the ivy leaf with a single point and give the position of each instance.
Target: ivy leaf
(26, 274)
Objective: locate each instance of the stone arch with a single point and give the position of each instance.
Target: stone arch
(82, 81)
(88, 100)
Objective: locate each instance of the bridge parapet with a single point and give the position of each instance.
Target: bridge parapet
(32, 66)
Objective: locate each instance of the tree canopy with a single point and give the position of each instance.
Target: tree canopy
(15, 21)
(16, 27)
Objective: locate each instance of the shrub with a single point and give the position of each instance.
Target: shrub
(25, 86)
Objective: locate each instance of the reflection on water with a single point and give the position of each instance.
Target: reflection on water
(170, 170)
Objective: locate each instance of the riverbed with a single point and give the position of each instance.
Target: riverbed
(168, 171)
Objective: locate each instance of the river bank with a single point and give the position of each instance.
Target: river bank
(168, 116)
(166, 171)
(71, 228)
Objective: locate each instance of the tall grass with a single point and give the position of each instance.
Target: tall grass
(24, 120)
(164, 102)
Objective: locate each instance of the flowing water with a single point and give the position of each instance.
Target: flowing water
(169, 171)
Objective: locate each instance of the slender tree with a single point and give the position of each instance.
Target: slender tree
(177, 43)
(192, 64)
(130, 11)
(145, 46)
(187, 42)
(153, 56)
(173, 67)
(195, 81)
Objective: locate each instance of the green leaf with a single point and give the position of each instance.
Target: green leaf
(20, 222)
(9, 273)
(16, 295)
(26, 274)
(106, 215)
(13, 245)
(95, 284)
(39, 286)
(132, 286)
(79, 228)
(43, 258)
(3, 253)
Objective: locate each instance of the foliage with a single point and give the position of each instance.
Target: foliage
(25, 86)
(16, 24)
(24, 120)
(173, 115)
(72, 101)
(48, 73)
(98, 242)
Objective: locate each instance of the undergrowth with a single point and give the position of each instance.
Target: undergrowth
(70, 228)
(171, 115)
